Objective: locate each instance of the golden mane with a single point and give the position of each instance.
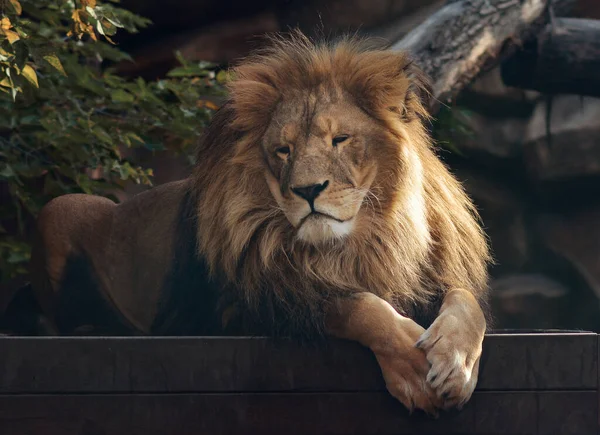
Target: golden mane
(423, 239)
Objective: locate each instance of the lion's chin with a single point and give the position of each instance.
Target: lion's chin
(319, 229)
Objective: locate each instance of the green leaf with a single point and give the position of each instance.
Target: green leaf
(108, 28)
(7, 172)
(121, 96)
(29, 73)
(54, 61)
(135, 137)
(180, 58)
(17, 256)
(114, 22)
(223, 76)
(189, 71)
(91, 11)
(99, 28)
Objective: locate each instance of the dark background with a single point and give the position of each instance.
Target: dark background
(539, 199)
(538, 194)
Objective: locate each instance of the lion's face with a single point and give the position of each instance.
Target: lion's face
(321, 153)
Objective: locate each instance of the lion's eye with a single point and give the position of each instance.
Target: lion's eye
(283, 151)
(339, 139)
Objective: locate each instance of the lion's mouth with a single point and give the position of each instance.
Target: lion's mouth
(317, 227)
(318, 215)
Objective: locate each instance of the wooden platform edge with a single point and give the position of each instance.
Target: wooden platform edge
(69, 365)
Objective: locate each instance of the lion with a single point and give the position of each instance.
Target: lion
(317, 208)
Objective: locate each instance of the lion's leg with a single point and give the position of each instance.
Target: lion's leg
(375, 324)
(453, 346)
(65, 226)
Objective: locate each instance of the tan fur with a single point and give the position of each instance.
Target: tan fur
(390, 236)
(417, 233)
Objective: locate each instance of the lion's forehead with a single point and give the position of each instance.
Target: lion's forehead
(296, 120)
(322, 125)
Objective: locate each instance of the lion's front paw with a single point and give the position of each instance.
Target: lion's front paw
(405, 368)
(405, 378)
(453, 350)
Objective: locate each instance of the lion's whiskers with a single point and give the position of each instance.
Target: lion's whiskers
(368, 197)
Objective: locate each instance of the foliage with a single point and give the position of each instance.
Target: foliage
(451, 126)
(66, 117)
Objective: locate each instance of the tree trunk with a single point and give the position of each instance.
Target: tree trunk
(467, 36)
(564, 59)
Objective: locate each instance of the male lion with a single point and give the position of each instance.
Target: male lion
(317, 206)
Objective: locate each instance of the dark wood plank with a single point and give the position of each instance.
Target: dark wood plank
(147, 365)
(567, 413)
(182, 365)
(551, 361)
(294, 413)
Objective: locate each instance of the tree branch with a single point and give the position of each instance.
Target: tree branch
(467, 36)
(564, 59)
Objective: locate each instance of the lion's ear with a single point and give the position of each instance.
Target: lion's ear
(418, 94)
(253, 96)
(385, 81)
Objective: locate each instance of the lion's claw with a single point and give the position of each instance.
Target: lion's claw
(405, 368)
(454, 362)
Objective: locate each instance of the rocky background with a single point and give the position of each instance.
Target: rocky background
(530, 161)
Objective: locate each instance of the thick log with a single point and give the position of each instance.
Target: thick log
(466, 37)
(563, 59)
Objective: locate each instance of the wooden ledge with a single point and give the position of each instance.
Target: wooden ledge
(529, 383)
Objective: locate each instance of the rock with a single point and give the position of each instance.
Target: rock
(491, 138)
(568, 155)
(491, 85)
(498, 118)
(503, 214)
(527, 301)
(574, 147)
(489, 96)
(576, 236)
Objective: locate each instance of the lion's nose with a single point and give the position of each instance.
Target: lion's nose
(311, 192)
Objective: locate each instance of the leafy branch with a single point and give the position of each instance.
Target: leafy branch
(66, 117)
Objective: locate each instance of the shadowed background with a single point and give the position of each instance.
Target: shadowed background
(531, 161)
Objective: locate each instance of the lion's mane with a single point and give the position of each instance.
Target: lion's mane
(424, 237)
